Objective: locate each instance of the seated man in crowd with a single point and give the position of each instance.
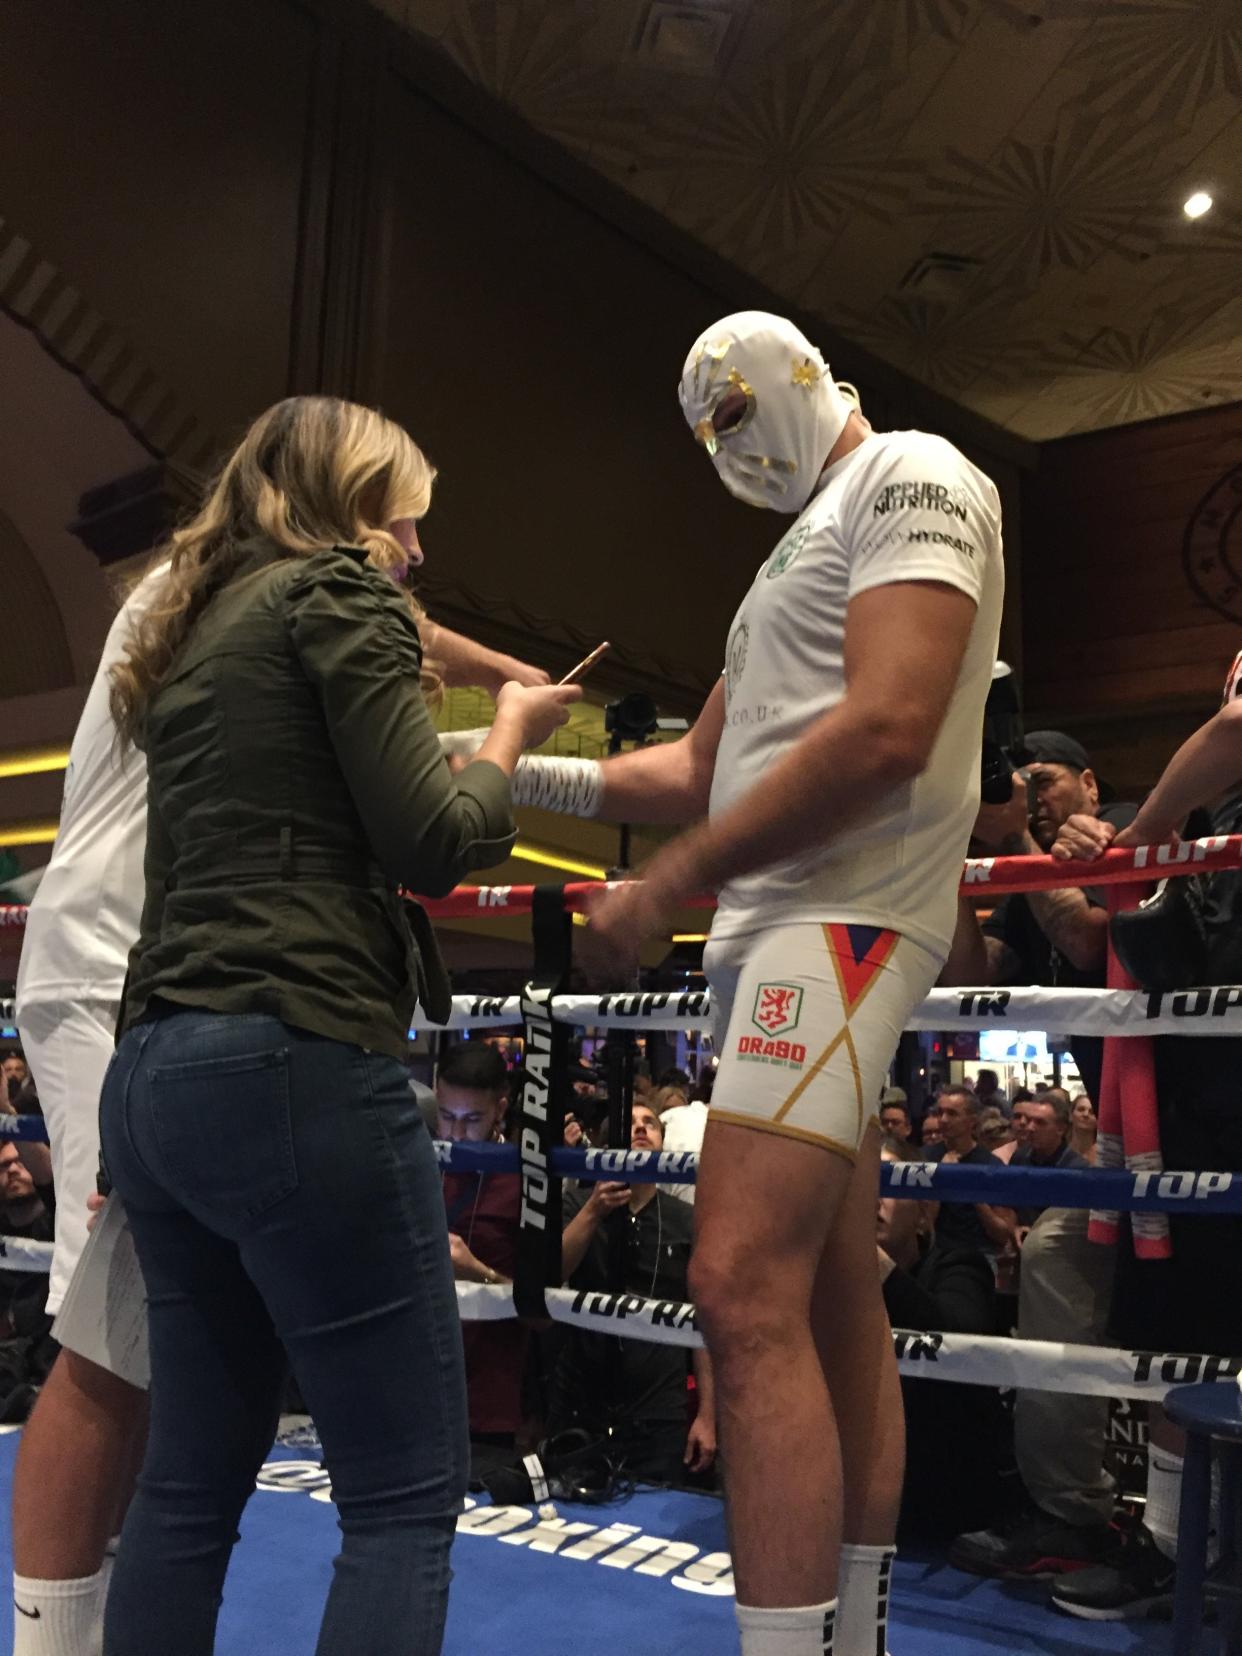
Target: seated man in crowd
(978, 1225)
(27, 1349)
(956, 1436)
(989, 1093)
(1064, 1283)
(14, 1073)
(895, 1114)
(482, 1213)
(632, 1391)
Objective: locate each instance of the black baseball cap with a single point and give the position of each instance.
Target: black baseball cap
(1054, 747)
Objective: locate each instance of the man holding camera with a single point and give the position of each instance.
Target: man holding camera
(1041, 937)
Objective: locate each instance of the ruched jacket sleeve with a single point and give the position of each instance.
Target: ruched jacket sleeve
(358, 646)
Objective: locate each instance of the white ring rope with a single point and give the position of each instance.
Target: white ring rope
(1214, 1011)
(969, 1359)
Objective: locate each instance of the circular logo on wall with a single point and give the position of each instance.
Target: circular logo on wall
(735, 659)
(1212, 548)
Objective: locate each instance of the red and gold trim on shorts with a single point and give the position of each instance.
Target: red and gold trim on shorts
(858, 954)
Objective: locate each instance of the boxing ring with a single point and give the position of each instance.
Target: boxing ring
(1137, 1183)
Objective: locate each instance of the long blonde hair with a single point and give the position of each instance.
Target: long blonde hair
(311, 473)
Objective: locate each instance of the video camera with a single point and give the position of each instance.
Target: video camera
(1002, 737)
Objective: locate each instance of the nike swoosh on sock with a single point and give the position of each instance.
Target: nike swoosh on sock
(35, 1615)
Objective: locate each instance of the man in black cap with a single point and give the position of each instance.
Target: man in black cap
(1041, 937)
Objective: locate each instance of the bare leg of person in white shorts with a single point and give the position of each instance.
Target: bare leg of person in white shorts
(82, 1445)
(784, 1270)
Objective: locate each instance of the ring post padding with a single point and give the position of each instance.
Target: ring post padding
(542, 1110)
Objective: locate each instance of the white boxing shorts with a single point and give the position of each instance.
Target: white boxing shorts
(69, 1046)
(807, 1017)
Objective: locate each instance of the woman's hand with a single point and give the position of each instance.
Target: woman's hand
(537, 710)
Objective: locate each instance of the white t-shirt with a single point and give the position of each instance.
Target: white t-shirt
(684, 1126)
(85, 915)
(903, 506)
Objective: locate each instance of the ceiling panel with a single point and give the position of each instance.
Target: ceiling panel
(985, 193)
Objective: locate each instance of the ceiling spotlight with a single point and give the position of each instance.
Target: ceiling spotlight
(1196, 205)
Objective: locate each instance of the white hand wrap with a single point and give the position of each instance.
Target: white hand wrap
(570, 787)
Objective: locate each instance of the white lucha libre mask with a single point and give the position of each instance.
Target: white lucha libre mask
(759, 397)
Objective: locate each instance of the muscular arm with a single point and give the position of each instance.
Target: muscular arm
(1075, 927)
(1205, 765)
(904, 644)
(975, 957)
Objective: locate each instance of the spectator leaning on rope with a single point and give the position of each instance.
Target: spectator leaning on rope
(1041, 937)
(1193, 1301)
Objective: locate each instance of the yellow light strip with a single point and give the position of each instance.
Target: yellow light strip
(29, 833)
(33, 761)
(690, 937)
(553, 859)
(43, 833)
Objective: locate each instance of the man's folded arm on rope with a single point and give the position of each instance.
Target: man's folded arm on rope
(1074, 926)
(1207, 764)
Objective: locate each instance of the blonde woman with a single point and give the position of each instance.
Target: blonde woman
(256, 1119)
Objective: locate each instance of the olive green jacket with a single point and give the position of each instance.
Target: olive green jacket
(294, 781)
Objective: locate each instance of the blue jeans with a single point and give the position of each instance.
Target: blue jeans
(284, 1198)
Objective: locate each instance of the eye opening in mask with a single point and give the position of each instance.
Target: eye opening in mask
(734, 410)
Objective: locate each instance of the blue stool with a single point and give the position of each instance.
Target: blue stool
(1211, 1416)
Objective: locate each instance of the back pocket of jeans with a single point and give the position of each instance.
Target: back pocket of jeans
(224, 1129)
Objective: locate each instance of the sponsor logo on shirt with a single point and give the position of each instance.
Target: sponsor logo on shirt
(778, 1006)
(789, 1053)
(787, 552)
(928, 497)
(933, 537)
(735, 660)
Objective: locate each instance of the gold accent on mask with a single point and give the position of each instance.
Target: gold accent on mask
(715, 353)
(806, 374)
(770, 462)
(705, 433)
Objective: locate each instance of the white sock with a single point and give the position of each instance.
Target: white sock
(805, 1632)
(1164, 1495)
(58, 1618)
(862, 1591)
(105, 1581)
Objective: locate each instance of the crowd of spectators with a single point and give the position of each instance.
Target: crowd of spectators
(27, 1212)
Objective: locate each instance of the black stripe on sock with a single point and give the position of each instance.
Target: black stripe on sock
(830, 1622)
(881, 1608)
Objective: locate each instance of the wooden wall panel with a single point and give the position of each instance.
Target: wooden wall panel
(1120, 644)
